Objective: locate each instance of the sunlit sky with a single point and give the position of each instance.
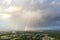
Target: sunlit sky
(29, 15)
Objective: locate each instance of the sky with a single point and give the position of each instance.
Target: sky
(29, 15)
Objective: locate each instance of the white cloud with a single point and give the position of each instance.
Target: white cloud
(4, 16)
(12, 9)
(7, 2)
(1, 9)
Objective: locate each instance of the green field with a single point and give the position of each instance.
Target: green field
(21, 35)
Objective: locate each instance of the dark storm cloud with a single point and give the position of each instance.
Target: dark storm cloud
(42, 14)
(50, 11)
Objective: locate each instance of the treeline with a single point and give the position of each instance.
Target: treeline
(54, 34)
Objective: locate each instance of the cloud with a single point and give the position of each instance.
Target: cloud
(4, 16)
(12, 9)
(35, 14)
